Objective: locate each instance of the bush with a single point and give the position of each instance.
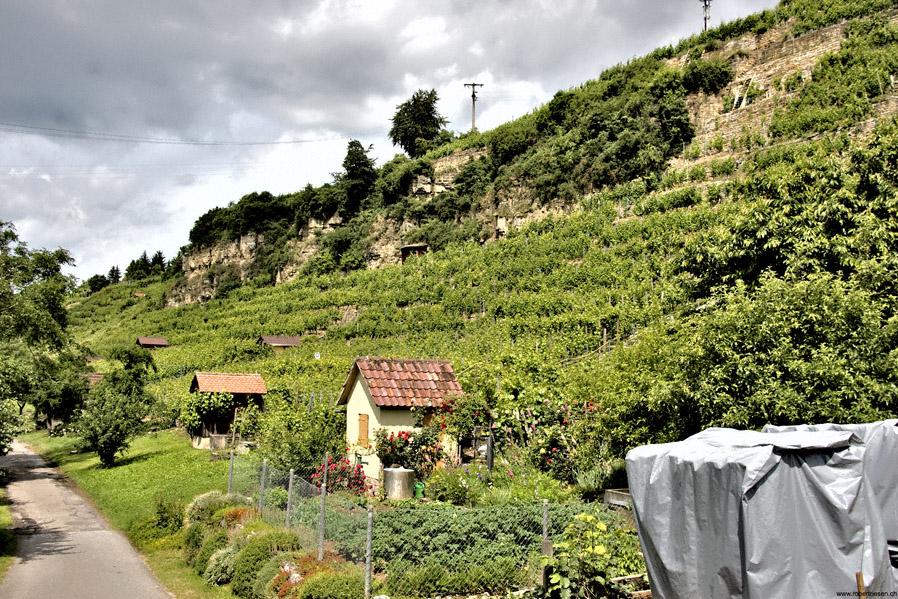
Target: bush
(251, 558)
(453, 486)
(590, 553)
(109, 421)
(193, 541)
(221, 565)
(166, 520)
(204, 507)
(214, 542)
(709, 76)
(342, 475)
(266, 576)
(434, 577)
(346, 584)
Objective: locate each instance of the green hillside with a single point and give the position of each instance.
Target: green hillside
(757, 287)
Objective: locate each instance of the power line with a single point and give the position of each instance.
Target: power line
(117, 137)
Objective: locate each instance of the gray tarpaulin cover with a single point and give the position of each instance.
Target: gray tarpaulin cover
(880, 465)
(730, 513)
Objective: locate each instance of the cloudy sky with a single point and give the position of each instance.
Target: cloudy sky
(122, 122)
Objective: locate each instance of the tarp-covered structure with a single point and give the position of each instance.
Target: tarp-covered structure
(784, 513)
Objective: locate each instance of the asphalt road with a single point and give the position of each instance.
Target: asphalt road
(65, 548)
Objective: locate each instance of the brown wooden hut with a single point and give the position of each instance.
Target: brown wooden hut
(246, 388)
(280, 342)
(152, 342)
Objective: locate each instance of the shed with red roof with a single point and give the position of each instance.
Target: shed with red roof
(379, 393)
(247, 389)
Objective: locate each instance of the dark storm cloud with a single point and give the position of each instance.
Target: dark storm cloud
(247, 71)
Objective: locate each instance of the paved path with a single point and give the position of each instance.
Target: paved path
(65, 547)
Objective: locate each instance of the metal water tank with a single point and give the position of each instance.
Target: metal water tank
(399, 483)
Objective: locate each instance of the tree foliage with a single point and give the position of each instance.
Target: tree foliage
(114, 411)
(32, 292)
(417, 122)
(358, 178)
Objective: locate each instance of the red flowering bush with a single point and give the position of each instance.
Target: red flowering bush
(342, 475)
(394, 448)
(418, 450)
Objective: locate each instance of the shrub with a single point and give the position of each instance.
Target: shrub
(166, 519)
(709, 76)
(266, 576)
(193, 541)
(109, 421)
(419, 450)
(346, 584)
(434, 576)
(342, 475)
(221, 565)
(257, 552)
(454, 486)
(590, 553)
(204, 507)
(294, 572)
(214, 542)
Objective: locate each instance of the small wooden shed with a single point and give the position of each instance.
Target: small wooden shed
(247, 389)
(152, 342)
(418, 249)
(380, 392)
(280, 342)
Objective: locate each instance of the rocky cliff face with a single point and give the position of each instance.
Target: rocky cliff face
(206, 268)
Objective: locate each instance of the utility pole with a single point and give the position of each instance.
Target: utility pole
(474, 87)
(707, 5)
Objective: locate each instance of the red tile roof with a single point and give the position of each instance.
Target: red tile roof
(403, 383)
(152, 342)
(222, 382)
(281, 340)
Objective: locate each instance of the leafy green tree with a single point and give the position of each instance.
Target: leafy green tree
(358, 178)
(298, 438)
(114, 411)
(32, 292)
(109, 421)
(96, 283)
(59, 392)
(33, 320)
(417, 122)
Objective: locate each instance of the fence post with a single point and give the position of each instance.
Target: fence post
(547, 547)
(289, 499)
(368, 552)
(262, 486)
(231, 474)
(327, 457)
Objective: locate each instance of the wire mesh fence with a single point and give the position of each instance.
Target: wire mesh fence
(422, 551)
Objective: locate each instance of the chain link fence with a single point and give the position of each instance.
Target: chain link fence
(422, 551)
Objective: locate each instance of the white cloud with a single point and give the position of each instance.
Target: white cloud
(424, 34)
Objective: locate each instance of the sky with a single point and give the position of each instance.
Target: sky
(122, 122)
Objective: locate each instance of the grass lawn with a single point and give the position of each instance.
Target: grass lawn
(166, 465)
(7, 537)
